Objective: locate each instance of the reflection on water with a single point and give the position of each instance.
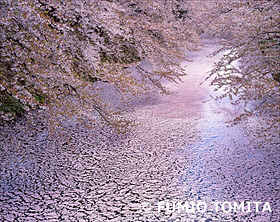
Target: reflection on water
(227, 166)
(182, 150)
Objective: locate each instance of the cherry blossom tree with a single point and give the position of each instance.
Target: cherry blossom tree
(249, 32)
(63, 55)
(58, 55)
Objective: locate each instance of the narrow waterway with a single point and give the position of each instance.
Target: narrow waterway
(182, 151)
(226, 164)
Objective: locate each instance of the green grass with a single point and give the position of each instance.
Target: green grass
(9, 104)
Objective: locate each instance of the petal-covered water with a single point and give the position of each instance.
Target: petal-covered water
(181, 151)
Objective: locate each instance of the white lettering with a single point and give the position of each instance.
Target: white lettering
(228, 208)
(249, 207)
(239, 207)
(257, 205)
(266, 207)
(160, 206)
(216, 206)
(186, 205)
(198, 207)
(173, 207)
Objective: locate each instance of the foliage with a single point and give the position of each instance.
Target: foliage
(59, 55)
(249, 72)
(64, 55)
